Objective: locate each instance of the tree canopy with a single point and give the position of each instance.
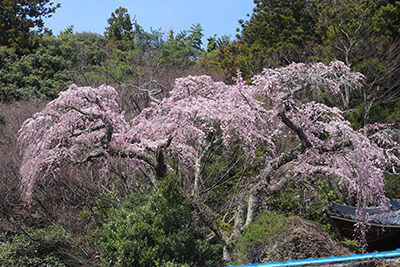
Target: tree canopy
(120, 26)
(276, 24)
(201, 120)
(150, 108)
(19, 18)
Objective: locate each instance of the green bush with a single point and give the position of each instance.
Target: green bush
(40, 249)
(274, 237)
(268, 226)
(150, 231)
(392, 186)
(38, 75)
(307, 199)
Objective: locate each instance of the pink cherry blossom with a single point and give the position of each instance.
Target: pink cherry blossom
(200, 117)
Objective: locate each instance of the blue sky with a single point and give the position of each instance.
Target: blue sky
(215, 16)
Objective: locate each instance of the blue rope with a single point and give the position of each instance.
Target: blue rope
(331, 259)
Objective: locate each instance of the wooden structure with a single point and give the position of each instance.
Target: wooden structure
(384, 231)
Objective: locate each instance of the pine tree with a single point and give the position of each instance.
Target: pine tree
(19, 18)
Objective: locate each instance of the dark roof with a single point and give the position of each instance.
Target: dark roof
(388, 216)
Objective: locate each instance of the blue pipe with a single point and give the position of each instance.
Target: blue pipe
(384, 254)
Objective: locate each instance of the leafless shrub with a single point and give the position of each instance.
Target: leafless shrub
(12, 116)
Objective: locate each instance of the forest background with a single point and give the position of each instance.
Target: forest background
(76, 222)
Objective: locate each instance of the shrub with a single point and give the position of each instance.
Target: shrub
(305, 197)
(392, 186)
(41, 248)
(150, 231)
(273, 237)
(38, 75)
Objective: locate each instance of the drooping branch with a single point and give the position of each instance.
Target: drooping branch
(146, 157)
(88, 158)
(91, 117)
(298, 130)
(274, 165)
(265, 177)
(151, 93)
(198, 162)
(96, 128)
(294, 91)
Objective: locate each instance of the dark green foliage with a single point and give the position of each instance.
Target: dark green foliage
(81, 53)
(79, 49)
(267, 226)
(208, 58)
(303, 200)
(18, 18)
(180, 50)
(276, 24)
(273, 237)
(387, 19)
(215, 42)
(278, 32)
(392, 186)
(120, 26)
(395, 115)
(42, 248)
(177, 52)
(39, 75)
(150, 230)
(378, 113)
(195, 35)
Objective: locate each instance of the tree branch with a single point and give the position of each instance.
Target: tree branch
(223, 230)
(87, 158)
(298, 130)
(274, 165)
(199, 160)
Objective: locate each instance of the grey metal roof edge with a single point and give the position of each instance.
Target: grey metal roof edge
(370, 223)
(380, 216)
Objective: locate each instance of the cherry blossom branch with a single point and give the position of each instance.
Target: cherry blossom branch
(275, 164)
(99, 127)
(265, 178)
(151, 93)
(91, 117)
(294, 91)
(298, 130)
(199, 160)
(149, 159)
(88, 158)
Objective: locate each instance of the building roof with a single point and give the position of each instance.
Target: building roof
(378, 216)
(383, 216)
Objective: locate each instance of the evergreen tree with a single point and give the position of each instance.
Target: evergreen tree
(279, 27)
(387, 20)
(195, 35)
(277, 33)
(276, 23)
(17, 20)
(120, 26)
